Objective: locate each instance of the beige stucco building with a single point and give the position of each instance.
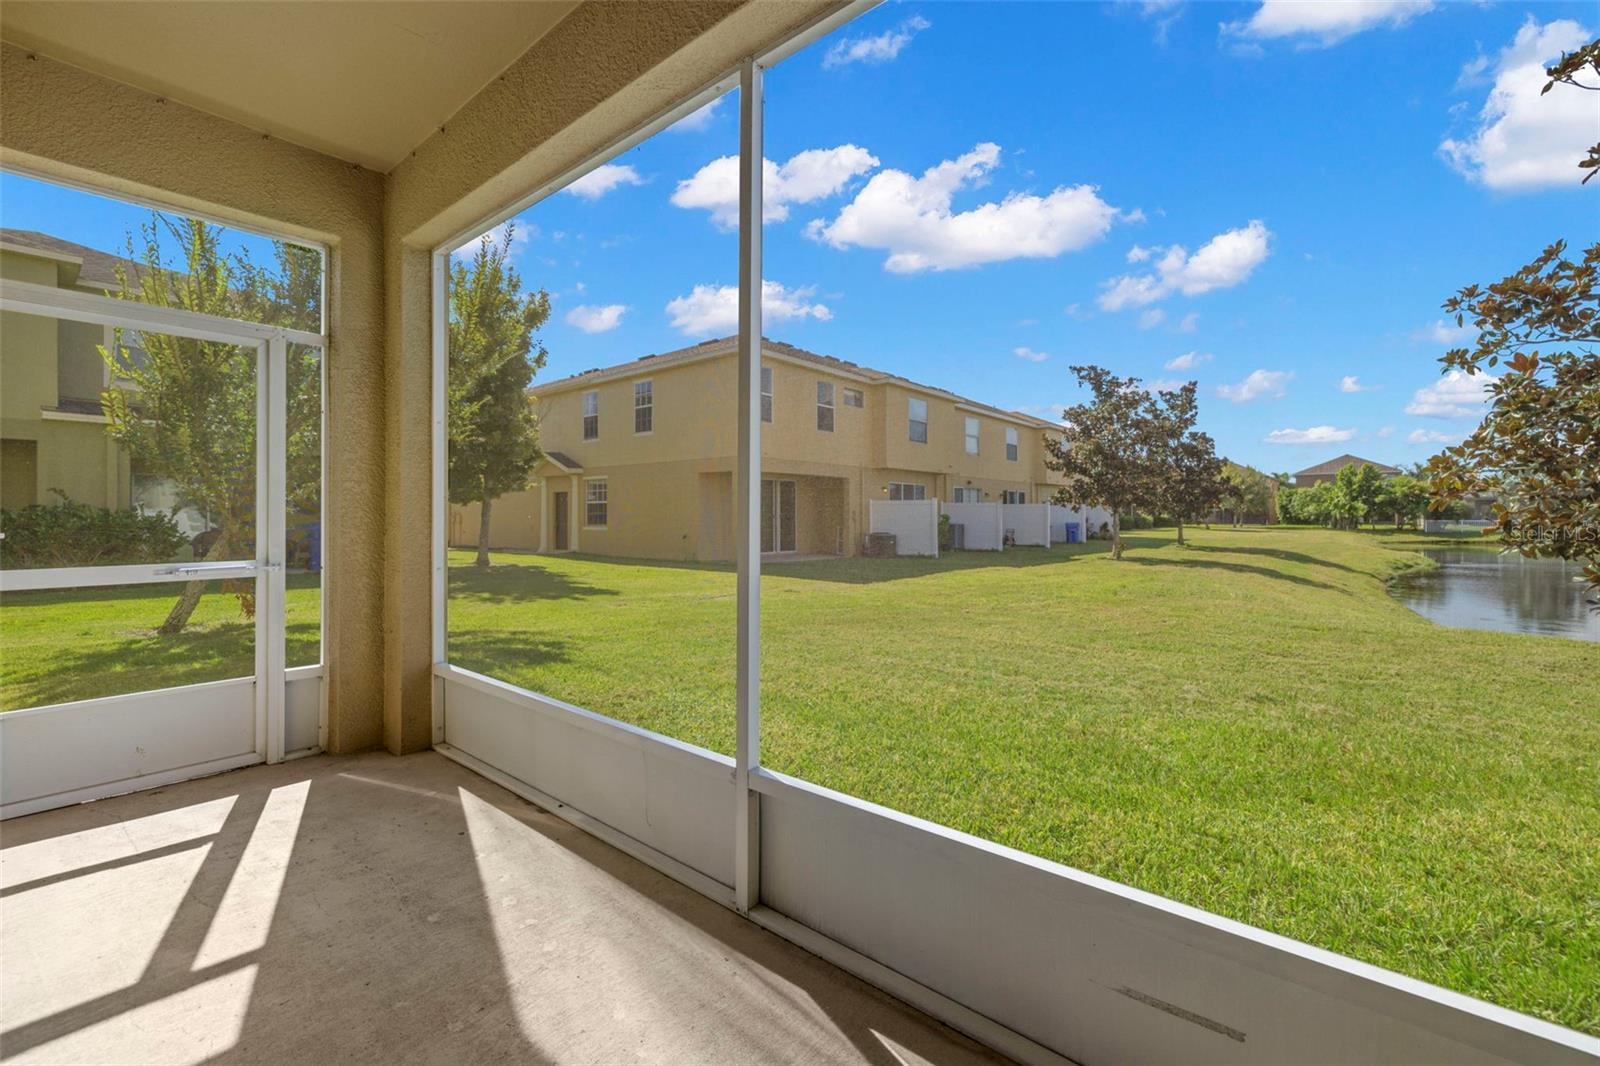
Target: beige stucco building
(52, 432)
(639, 457)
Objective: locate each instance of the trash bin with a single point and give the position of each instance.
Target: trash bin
(1072, 533)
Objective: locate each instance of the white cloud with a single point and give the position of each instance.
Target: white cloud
(1314, 435)
(1258, 384)
(1187, 361)
(1076, 311)
(1152, 318)
(602, 179)
(1441, 332)
(1187, 323)
(808, 176)
(714, 309)
(1432, 436)
(1524, 140)
(911, 218)
(1351, 383)
(1165, 384)
(879, 48)
(521, 234)
(1030, 355)
(1456, 395)
(595, 319)
(698, 120)
(1385, 433)
(1323, 22)
(1138, 253)
(1222, 262)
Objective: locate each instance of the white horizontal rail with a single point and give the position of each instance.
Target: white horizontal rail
(27, 298)
(130, 697)
(76, 577)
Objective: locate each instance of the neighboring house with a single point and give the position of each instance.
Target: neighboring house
(52, 427)
(639, 458)
(1328, 471)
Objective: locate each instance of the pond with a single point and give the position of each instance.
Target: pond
(1477, 589)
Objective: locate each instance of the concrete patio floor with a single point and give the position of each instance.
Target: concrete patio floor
(389, 910)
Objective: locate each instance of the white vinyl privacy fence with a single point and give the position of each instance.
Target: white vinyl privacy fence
(914, 523)
(982, 523)
(1028, 524)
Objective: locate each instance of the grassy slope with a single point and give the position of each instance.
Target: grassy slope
(1250, 725)
(61, 646)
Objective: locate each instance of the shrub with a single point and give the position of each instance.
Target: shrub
(78, 534)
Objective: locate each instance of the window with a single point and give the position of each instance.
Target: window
(968, 495)
(594, 503)
(906, 490)
(853, 398)
(643, 407)
(917, 416)
(1013, 497)
(825, 406)
(591, 415)
(972, 436)
(1011, 445)
(766, 394)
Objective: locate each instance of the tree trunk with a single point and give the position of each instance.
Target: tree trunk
(1180, 531)
(1116, 535)
(482, 562)
(189, 599)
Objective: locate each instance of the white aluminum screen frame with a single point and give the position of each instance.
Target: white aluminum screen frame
(1423, 1008)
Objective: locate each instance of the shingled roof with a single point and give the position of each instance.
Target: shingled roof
(1333, 466)
(728, 345)
(97, 268)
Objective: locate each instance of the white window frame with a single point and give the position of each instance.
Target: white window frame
(972, 430)
(853, 397)
(766, 394)
(825, 406)
(1010, 496)
(912, 421)
(648, 407)
(1011, 444)
(591, 410)
(590, 484)
(968, 494)
(907, 490)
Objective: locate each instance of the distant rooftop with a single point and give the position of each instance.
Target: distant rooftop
(727, 345)
(96, 267)
(1333, 466)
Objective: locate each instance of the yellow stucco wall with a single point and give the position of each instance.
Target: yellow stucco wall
(670, 490)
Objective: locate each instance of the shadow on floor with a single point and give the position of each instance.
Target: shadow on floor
(381, 909)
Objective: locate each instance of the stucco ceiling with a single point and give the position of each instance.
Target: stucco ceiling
(362, 80)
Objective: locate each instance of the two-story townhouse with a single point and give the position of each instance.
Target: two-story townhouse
(52, 431)
(640, 457)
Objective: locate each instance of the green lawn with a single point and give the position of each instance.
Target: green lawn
(1250, 725)
(79, 644)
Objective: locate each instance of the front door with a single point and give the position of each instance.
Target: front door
(561, 521)
(777, 515)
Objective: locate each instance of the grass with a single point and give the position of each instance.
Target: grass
(1250, 724)
(60, 646)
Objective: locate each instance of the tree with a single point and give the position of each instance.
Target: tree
(1356, 490)
(494, 435)
(1247, 491)
(1402, 498)
(1538, 448)
(1189, 481)
(1105, 448)
(185, 410)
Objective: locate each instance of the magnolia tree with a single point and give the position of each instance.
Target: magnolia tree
(1187, 482)
(185, 410)
(1105, 447)
(1538, 449)
(494, 435)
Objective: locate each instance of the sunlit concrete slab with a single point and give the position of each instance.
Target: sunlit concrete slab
(381, 909)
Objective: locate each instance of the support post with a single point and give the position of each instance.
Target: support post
(747, 497)
(271, 609)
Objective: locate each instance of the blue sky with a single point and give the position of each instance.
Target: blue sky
(1270, 199)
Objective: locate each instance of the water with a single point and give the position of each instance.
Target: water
(1487, 590)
